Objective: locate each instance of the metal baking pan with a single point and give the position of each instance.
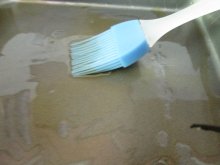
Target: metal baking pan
(145, 114)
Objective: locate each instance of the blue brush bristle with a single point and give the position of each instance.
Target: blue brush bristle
(120, 46)
(94, 55)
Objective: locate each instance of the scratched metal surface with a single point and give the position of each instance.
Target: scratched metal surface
(136, 116)
(148, 3)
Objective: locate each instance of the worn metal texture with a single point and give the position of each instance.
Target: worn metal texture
(136, 116)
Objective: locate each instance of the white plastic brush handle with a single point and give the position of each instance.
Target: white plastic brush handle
(155, 29)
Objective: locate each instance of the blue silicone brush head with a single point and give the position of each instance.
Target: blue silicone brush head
(120, 46)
